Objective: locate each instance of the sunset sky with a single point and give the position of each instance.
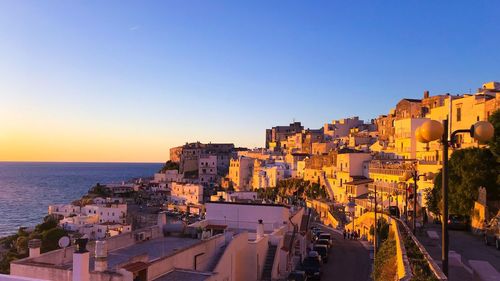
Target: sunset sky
(126, 80)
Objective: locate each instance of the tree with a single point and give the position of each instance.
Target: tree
(169, 165)
(495, 142)
(49, 222)
(22, 245)
(50, 239)
(469, 169)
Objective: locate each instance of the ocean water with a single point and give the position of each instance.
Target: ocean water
(27, 188)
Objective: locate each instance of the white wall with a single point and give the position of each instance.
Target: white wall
(246, 216)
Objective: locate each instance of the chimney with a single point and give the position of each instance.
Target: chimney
(81, 259)
(426, 94)
(101, 256)
(260, 229)
(34, 246)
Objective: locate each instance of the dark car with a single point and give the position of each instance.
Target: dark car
(394, 211)
(315, 231)
(322, 251)
(312, 267)
(297, 276)
(458, 222)
(323, 242)
(326, 236)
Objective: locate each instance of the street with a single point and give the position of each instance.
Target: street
(348, 260)
(464, 243)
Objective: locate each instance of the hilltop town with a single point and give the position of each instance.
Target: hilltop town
(216, 211)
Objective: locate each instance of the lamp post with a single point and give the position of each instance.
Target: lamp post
(432, 130)
(375, 236)
(351, 206)
(415, 176)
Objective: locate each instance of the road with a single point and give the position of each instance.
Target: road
(467, 245)
(349, 260)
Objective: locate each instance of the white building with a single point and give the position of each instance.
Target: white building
(167, 176)
(235, 196)
(94, 220)
(187, 193)
(207, 169)
(267, 175)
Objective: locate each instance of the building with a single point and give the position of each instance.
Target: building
(340, 128)
(167, 176)
(240, 196)
(236, 241)
(186, 193)
(207, 170)
(102, 219)
(144, 255)
(351, 165)
(267, 174)
(240, 173)
(191, 152)
(278, 134)
(274, 240)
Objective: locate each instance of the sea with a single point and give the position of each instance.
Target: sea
(28, 188)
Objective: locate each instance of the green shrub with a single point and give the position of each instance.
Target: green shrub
(385, 265)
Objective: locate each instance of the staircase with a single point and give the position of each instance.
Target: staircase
(329, 189)
(268, 265)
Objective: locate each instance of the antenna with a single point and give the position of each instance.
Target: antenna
(64, 243)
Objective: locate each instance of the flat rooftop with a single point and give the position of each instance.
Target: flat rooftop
(186, 275)
(154, 249)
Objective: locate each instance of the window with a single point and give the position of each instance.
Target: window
(459, 114)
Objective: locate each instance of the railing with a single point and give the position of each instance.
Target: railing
(436, 270)
(366, 221)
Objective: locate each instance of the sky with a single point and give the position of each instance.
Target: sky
(123, 81)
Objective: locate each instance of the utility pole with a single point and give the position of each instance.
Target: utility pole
(444, 194)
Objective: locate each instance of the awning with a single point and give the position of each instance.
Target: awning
(135, 266)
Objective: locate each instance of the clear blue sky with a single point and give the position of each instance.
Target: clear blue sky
(147, 75)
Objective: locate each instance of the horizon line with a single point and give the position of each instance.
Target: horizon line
(81, 162)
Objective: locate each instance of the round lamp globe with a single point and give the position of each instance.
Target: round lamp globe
(431, 130)
(418, 136)
(483, 131)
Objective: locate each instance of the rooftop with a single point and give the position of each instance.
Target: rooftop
(247, 203)
(150, 250)
(188, 275)
(154, 249)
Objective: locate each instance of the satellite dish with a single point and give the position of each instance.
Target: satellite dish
(64, 242)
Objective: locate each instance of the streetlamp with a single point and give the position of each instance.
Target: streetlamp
(351, 206)
(432, 130)
(415, 176)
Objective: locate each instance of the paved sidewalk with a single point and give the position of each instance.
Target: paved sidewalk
(464, 247)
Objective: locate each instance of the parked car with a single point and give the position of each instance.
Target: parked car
(314, 254)
(312, 267)
(326, 236)
(315, 230)
(394, 211)
(323, 242)
(297, 275)
(458, 222)
(492, 232)
(322, 251)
